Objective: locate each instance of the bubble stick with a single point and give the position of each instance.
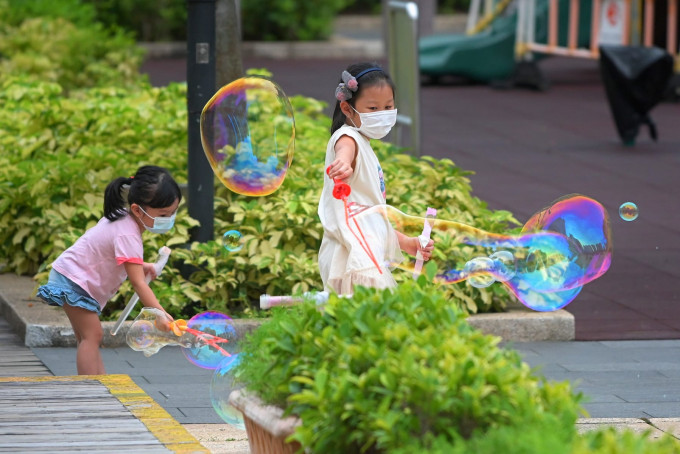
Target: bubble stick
(341, 191)
(424, 238)
(269, 301)
(163, 255)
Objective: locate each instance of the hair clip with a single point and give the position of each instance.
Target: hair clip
(345, 88)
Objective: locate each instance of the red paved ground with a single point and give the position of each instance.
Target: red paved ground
(529, 148)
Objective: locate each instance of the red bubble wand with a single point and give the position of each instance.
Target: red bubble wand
(341, 191)
(179, 327)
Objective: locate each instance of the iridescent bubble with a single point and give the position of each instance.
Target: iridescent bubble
(216, 324)
(140, 335)
(560, 249)
(232, 241)
(150, 332)
(222, 384)
(504, 266)
(478, 272)
(628, 211)
(248, 135)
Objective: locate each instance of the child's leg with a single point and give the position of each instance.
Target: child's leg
(89, 333)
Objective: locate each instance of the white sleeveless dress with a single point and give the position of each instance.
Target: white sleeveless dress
(343, 263)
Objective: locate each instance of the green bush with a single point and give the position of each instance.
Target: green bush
(50, 49)
(159, 20)
(612, 441)
(55, 165)
(402, 372)
(288, 20)
(14, 12)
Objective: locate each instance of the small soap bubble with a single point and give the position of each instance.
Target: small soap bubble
(628, 211)
(232, 240)
(479, 271)
(248, 135)
(504, 265)
(140, 335)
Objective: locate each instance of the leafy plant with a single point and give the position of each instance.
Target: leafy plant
(160, 20)
(401, 371)
(612, 441)
(74, 55)
(56, 163)
(288, 20)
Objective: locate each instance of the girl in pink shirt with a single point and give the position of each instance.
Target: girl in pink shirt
(89, 273)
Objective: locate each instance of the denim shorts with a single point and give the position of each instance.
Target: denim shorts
(61, 290)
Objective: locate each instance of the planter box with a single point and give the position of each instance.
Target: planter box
(267, 429)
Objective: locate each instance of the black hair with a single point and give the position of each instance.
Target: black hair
(369, 79)
(152, 187)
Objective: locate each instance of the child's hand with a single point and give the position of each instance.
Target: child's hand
(164, 322)
(340, 170)
(413, 246)
(149, 270)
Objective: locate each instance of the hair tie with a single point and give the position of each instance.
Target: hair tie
(345, 88)
(349, 84)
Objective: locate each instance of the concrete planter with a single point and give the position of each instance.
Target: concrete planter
(267, 428)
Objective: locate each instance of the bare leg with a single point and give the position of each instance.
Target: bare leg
(89, 334)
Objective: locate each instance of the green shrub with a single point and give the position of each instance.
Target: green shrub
(159, 20)
(402, 372)
(288, 20)
(50, 49)
(612, 441)
(14, 12)
(55, 165)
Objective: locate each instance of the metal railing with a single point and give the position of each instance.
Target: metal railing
(526, 22)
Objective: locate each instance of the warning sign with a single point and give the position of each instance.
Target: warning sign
(612, 22)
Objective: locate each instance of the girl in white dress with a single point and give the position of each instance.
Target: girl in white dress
(364, 110)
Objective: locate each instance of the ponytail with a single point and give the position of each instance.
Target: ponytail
(152, 186)
(115, 198)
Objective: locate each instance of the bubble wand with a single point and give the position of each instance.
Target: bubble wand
(179, 327)
(149, 333)
(424, 238)
(269, 301)
(163, 255)
(341, 191)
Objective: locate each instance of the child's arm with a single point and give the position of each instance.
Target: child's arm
(345, 159)
(411, 245)
(137, 278)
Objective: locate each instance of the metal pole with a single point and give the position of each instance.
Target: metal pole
(228, 42)
(200, 88)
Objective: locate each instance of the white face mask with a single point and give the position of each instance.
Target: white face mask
(161, 224)
(376, 125)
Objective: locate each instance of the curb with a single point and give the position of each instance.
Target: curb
(336, 47)
(40, 325)
(355, 37)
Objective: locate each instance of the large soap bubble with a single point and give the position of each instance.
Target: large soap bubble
(215, 324)
(560, 249)
(248, 135)
(222, 384)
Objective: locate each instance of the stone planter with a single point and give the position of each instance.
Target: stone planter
(267, 429)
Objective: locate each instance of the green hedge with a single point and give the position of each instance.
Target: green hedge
(69, 51)
(55, 164)
(403, 372)
(66, 130)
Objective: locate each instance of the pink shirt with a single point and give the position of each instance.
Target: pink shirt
(95, 261)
